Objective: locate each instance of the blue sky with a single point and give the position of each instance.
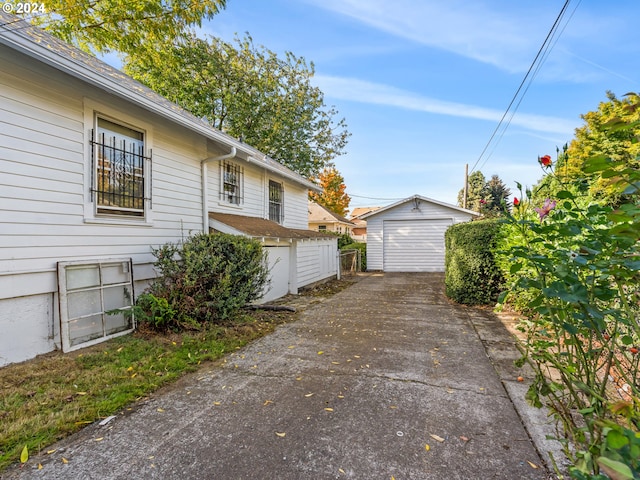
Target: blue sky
(422, 84)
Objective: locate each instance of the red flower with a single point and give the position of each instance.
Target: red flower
(516, 202)
(545, 161)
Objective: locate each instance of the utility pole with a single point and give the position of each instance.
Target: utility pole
(466, 185)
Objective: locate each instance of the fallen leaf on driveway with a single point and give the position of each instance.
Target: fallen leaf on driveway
(532, 465)
(161, 410)
(320, 352)
(267, 402)
(328, 409)
(64, 460)
(309, 395)
(437, 438)
(463, 438)
(427, 447)
(280, 434)
(24, 456)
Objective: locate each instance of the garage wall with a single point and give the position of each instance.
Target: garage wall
(428, 212)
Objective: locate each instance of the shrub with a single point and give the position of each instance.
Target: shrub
(206, 279)
(471, 274)
(579, 263)
(363, 252)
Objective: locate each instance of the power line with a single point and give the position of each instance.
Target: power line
(543, 51)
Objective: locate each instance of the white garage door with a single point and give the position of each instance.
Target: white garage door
(414, 245)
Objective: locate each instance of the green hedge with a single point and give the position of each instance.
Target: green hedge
(471, 274)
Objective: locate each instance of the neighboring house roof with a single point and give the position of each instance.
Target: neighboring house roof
(260, 227)
(320, 214)
(418, 198)
(359, 211)
(38, 44)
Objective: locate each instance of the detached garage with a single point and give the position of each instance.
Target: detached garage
(408, 236)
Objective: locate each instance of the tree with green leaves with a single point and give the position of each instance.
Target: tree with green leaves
(250, 93)
(124, 26)
(476, 192)
(612, 131)
(486, 197)
(498, 195)
(334, 196)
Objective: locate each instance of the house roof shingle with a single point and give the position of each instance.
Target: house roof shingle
(260, 227)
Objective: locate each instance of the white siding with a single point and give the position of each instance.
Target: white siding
(44, 188)
(279, 266)
(255, 201)
(46, 214)
(426, 212)
(316, 260)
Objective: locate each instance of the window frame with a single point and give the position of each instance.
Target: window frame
(235, 199)
(92, 112)
(273, 203)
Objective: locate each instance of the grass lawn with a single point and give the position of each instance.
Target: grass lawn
(55, 395)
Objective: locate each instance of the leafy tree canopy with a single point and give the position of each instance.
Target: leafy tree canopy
(612, 131)
(486, 197)
(333, 196)
(121, 25)
(249, 93)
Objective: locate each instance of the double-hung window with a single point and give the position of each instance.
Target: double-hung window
(276, 210)
(120, 169)
(231, 178)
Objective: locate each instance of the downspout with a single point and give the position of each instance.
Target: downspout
(205, 193)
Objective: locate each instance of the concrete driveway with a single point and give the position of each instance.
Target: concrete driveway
(384, 380)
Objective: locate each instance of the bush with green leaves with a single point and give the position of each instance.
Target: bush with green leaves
(205, 279)
(578, 263)
(471, 274)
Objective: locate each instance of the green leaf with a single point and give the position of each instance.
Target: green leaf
(614, 469)
(24, 456)
(564, 194)
(616, 440)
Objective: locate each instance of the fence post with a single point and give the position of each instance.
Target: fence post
(339, 264)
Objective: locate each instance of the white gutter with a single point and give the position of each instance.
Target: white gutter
(205, 193)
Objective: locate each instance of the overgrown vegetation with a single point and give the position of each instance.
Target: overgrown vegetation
(471, 274)
(204, 280)
(574, 261)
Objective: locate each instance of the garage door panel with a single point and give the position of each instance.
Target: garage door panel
(414, 245)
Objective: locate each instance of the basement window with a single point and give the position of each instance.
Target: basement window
(96, 300)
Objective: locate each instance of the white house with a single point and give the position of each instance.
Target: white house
(95, 170)
(322, 219)
(408, 236)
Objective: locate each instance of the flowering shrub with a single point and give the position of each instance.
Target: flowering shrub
(577, 263)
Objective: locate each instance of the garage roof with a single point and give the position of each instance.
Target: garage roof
(418, 198)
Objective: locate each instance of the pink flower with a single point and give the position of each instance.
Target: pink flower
(516, 202)
(546, 208)
(483, 201)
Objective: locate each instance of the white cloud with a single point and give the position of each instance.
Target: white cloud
(497, 36)
(367, 92)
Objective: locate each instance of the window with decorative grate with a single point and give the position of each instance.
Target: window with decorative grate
(276, 210)
(119, 169)
(231, 179)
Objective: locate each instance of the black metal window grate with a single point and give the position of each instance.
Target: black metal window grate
(231, 190)
(276, 212)
(119, 166)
